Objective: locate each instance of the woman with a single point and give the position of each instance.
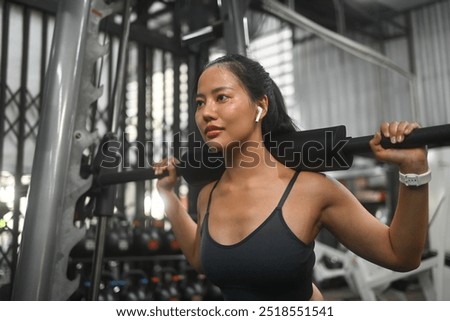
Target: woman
(254, 236)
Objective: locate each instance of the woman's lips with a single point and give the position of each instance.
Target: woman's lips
(213, 131)
(213, 134)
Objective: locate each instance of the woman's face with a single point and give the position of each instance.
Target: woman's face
(225, 114)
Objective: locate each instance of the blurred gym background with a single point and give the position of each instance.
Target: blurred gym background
(351, 62)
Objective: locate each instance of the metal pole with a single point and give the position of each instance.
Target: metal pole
(3, 74)
(114, 126)
(41, 233)
(118, 93)
(234, 29)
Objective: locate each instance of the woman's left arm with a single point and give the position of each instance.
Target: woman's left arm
(409, 226)
(398, 246)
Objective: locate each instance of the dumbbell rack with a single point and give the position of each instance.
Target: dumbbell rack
(132, 273)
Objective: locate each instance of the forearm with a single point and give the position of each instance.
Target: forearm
(183, 226)
(409, 227)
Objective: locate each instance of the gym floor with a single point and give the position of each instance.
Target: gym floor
(405, 290)
(337, 289)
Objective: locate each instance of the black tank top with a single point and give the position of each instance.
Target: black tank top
(270, 264)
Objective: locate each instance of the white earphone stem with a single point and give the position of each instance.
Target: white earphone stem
(258, 116)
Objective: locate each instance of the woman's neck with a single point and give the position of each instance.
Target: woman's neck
(248, 159)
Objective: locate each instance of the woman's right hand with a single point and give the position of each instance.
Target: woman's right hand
(167, 182)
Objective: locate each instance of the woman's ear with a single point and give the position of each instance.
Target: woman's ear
(262, 107)
(259, 113)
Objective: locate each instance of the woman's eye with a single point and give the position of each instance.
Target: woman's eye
(222, 98)
(199, 103)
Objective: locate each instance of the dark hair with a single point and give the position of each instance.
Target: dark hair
(257, 81)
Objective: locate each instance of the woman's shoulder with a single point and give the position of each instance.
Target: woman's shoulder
(324, 188)
(312, 177)
(203, 197)
(317, 182)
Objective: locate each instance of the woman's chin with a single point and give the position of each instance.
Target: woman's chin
(215, 146)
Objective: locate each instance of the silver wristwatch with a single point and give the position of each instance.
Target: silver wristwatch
(415, 179)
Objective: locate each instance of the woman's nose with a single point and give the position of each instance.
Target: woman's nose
(209, 111)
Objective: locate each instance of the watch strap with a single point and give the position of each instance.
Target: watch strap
(415, 179)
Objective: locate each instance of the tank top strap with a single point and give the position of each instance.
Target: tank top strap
(210, 195)
(288, 190)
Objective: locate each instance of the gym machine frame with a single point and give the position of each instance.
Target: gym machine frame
(49, 233)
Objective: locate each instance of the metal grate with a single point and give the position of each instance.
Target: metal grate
(23, 53)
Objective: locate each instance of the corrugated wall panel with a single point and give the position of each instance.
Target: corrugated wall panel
(397, 90)
(334, 87)
(431, 32)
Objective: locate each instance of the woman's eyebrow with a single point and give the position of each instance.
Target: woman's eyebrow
(214, 91)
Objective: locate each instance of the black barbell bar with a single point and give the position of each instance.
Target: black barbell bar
(316, 150)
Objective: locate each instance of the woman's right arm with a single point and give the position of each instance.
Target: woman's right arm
(186, 230)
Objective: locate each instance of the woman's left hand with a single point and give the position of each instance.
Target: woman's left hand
(411, 160)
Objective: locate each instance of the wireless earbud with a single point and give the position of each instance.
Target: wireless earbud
(258, 116)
